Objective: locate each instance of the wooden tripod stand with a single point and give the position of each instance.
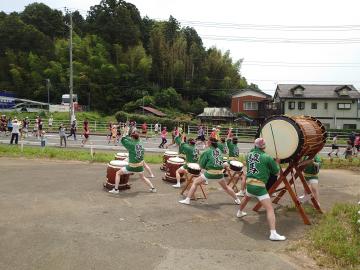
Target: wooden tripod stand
(295, 169)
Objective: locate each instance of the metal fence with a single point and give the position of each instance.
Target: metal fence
(101, 128)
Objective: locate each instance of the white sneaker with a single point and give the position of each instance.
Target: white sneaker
(185, 201)
(240, 193)
(206, 182)
(304, 198)
(176, 186)
(277, 237)
(114, 191)
(237, 201)
(153, 190)
(241, 214)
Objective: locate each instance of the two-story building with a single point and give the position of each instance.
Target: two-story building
(250, 102)
(336, 106)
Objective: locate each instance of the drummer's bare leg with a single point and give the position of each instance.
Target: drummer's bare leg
(242, 185)
(147, 181)
(148, 170)
(229, 191)
(270, 215)
(197, 181)
(178, 177)
(118, 174)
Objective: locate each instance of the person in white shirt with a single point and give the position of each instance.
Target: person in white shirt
(51, 122)
(15, 131)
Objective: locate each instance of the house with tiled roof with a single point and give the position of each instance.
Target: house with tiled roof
(336, 106)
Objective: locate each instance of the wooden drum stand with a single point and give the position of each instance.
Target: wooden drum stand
(189, 180)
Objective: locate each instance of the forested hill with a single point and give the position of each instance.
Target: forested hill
(118, 57)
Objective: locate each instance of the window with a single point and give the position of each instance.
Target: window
(250, 106)
(301, 105)
(291, 105)
(349, 126)
(314, 106)
(344, 106)
(325, 105)
(298, 92)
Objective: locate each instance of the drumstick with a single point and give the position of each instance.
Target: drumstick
(272, 133)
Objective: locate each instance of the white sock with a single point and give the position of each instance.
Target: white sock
(272, 232)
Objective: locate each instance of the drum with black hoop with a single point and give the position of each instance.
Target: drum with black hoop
(122, 156)
(166, 156)
(112, 168)
(194, 168)
(289, 137)
(236, 166)
(172, 165)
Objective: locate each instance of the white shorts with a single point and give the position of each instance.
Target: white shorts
(260, 198)
(207, 179)
(125, 171)
(313, 181)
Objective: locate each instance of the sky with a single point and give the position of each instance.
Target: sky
(279, 41)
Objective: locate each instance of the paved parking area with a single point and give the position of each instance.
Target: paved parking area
(56, 215)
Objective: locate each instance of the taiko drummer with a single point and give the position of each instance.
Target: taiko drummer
(191, 156)
(259, 167)
(211, 160)
(136, 161)
(233, 149)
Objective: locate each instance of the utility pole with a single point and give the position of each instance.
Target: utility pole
(71, 86)
(48, 91)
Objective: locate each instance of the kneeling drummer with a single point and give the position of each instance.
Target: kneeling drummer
(212, 162)
(191, 156)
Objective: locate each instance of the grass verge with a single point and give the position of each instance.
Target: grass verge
(65, 154)
(335, 240)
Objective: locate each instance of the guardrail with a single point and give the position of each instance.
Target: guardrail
(101, 128)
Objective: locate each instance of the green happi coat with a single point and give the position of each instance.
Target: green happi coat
(223, 148)
(233, 150)
(259, 166)
(311, 171)
(136, 154)
(212, 161)
(190, 151)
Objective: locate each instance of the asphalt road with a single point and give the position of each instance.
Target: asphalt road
(55, 215)
(100, 143)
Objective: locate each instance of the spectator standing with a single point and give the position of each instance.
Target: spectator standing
(25, 127)
(334, 146)
(156, 128)
(9, 125)
(50, 121)
(357, 143)
(43, 138)
(352, 140)
(15, 131)
(144, 129)
(348, 150)
(62, 135)
(86, 132)
(73, 130)
(163, 138)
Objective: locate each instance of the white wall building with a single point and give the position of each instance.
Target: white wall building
(336, 106)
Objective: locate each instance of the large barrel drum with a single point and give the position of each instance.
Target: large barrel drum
(166, 156)
(111, 170)
(172, 165)
(290, 137)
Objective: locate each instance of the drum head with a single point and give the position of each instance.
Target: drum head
(282, 137)
(171, 153)
(118, 163)
(176, 160)
(236, 163)
(122, 154)
(194, 166)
